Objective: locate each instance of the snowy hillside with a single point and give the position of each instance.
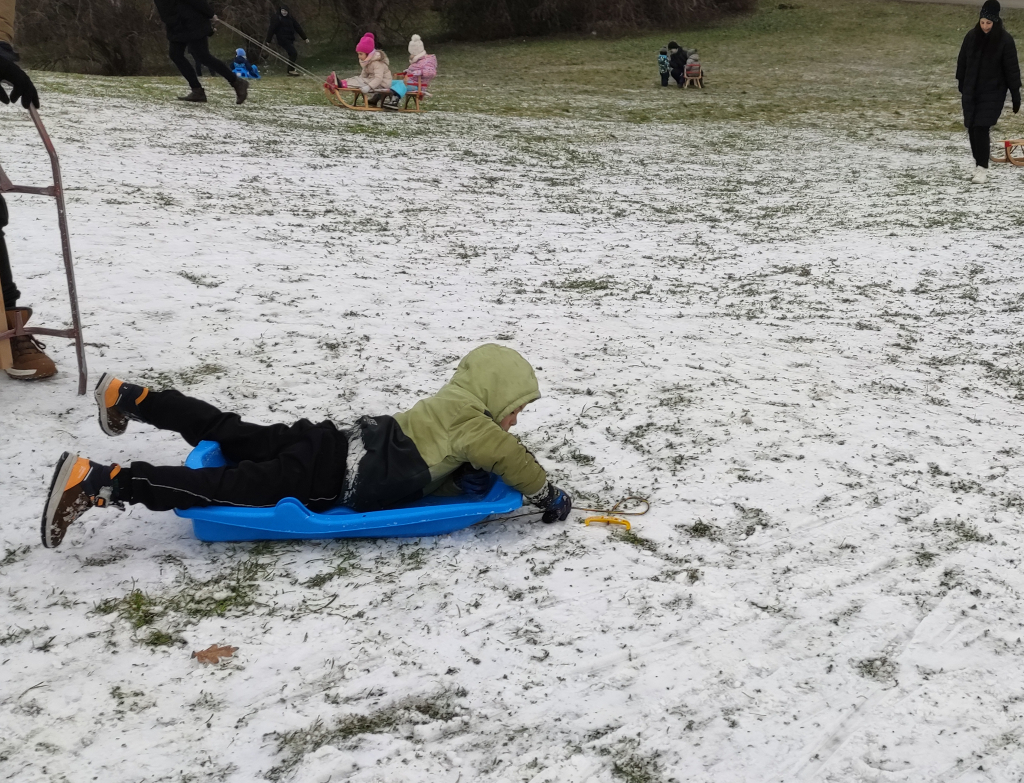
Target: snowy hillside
(808, 357)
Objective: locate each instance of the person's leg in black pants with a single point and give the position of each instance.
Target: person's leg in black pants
(302, 460)
(980, 144)
(293, 54)
(10, 290)
(677, 74)
(177, 54)
(200, 51)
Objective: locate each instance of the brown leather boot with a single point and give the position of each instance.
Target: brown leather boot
(30, 363)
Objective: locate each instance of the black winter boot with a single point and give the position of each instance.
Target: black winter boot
(241, 90)
(196, 96)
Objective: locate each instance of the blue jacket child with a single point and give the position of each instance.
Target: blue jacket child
(663, 66)
(242, 67)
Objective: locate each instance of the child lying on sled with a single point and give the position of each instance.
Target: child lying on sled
(447, 443)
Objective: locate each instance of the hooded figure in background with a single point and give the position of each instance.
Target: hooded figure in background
(284, 26)
(986, 70)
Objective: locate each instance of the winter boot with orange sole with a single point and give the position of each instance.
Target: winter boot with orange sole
(117, 402)
(77, 486)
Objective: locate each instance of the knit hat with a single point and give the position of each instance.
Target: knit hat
(990, 10)
(673, 45)
(366, 44)
(416, 47)
(239, 52)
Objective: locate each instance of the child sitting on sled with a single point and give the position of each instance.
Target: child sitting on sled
(422, 66)
(445, 444)
(375, 77)
(243, 67)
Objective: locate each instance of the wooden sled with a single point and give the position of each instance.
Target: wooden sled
(357, 100)
(1009, 146)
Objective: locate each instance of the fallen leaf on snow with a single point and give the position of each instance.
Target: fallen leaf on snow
(214, 653)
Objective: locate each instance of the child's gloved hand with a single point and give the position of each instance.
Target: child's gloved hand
(473, 482)
(558, 507)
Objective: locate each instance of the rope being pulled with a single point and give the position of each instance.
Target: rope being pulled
(614, 510)
(263, 48)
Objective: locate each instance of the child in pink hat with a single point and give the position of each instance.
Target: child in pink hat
(375, 76)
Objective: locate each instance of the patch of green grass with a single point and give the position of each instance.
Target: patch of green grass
(701, 529)
(296, 744)
(189, 601)
(200, 280)
(12, 556)
(881, 668)
(631, 538)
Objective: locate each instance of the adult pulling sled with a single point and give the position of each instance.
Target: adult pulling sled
(57, 191)
(290, 519)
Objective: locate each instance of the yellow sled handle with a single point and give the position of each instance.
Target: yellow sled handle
(609, 520)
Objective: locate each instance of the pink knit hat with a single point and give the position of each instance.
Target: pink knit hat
(366, 44)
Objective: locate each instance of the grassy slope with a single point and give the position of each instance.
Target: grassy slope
(843, 64)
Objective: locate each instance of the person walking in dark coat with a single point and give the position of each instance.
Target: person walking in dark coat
(985, 70)
(189, 25)
(284, 26)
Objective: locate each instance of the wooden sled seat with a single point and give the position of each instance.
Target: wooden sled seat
(1013, 152)
(694, 76)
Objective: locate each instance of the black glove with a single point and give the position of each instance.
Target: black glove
(474, 481)
(1016, 101)
(22, 86)
(557, 506)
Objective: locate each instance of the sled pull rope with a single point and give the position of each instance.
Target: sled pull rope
(263, 48)
(606, 511)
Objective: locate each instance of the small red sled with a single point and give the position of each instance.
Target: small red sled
(57, 191)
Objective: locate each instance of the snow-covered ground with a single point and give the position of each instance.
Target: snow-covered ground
(804, 349)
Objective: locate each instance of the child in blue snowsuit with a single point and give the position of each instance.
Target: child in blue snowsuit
(663, 66)
(242, 67)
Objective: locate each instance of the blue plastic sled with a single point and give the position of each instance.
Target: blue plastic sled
(289, 519)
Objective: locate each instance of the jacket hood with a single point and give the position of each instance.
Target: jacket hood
(499, 377)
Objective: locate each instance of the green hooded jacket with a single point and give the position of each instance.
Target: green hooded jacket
(460, 424)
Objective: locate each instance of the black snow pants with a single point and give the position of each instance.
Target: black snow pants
(200, 51)
(290, 50)
(10, 290)
(980, 144)
(301, 460)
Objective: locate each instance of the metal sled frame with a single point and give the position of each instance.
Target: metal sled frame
(57, 191)
(1009, 146)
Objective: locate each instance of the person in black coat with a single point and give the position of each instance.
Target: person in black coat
(284, 26)
(677, 62)
(189, 25)
(985, 70)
